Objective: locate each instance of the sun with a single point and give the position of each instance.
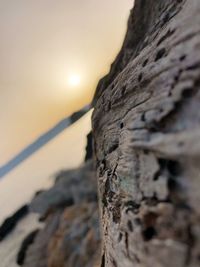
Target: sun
(74, 80)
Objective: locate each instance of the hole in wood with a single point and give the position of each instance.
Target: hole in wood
(149, 233)
(145, 63)
(161, 53)
(140, 77)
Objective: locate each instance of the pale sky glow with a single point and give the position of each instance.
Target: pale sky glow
(52, 55)
(74, 80)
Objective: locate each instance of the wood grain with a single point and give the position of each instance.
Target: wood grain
(146, 127)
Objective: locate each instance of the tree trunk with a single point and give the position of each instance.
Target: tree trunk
(146, 127)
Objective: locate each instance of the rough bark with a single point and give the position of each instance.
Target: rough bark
(146, 127)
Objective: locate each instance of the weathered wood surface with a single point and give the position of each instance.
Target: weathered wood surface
(146, 127)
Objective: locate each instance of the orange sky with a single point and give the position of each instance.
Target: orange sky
(42, 42)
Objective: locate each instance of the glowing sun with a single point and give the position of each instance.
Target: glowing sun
(74, 80)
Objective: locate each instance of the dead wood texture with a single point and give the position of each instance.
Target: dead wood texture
(146, 127)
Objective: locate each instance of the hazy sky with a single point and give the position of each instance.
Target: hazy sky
(43, 42)
(37, 172)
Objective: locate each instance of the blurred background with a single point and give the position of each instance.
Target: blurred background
(52, 55)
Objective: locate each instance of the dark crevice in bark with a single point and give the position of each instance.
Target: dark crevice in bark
(103, 261)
